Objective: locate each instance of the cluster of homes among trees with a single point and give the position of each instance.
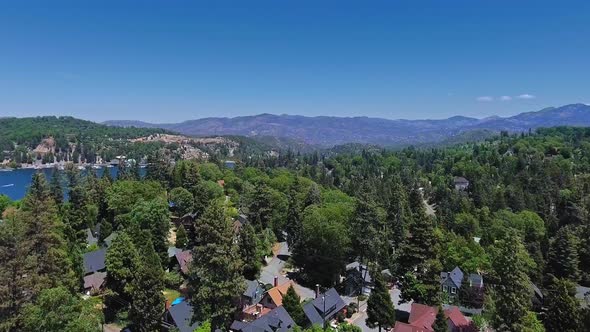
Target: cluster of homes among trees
(498, 230)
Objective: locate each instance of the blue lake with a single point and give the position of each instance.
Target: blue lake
(15, 183)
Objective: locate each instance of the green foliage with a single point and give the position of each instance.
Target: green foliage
(5, 202)
(215, 274)
(440, 323)
(380, 310)
(153, 216)
(56, 310)
(183, 200)
(122, 260)
(249, 253)
(181, 237)
(204, 327)
(513, 287)
(322, 252)
(123, 195)
(292, 303)
(563, 260)
(563, 308)
(147, 305)
(530, 323)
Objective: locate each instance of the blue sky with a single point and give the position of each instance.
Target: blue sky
(167, 61)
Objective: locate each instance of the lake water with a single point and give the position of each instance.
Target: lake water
(15, 183)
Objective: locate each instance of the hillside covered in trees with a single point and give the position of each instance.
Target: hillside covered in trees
(521, 222)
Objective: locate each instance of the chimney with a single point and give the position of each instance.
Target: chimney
(276, 281)
(317, 291)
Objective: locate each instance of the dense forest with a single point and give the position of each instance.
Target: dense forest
(521, 223)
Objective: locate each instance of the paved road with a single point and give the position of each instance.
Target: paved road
(274, 267)
(359, 319)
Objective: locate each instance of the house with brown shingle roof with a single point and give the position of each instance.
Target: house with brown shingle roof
(274, 297)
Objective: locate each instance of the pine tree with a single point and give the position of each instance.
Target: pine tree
(56, 187)
(122, 260)
(380, 310)
(181, 237)
(563, 259)
(366, 227)
(215, 274)
(513, 292)
(293, 226)
(563, 311)
(314, 195)
(248, 253)
(292, 303)
(440, 323)
(44, 235)
(147, 304)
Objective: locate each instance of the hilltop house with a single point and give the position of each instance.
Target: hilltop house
(94, 283)
(324, 307)
(451, 282)
(422, 317)
(184, 258)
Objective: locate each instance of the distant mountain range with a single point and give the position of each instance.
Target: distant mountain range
(329, 131)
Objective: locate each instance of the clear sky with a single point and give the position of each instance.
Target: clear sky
(167, 61)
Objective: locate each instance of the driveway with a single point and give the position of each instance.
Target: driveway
(274, 267)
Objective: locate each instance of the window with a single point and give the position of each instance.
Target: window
(453, 290)
(445, 288)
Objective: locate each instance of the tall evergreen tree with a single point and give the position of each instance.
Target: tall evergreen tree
(440, 323)
(181, 237)
(247, 248)
(56, 187)
(293, 226)
(511, 262)
(380, 310)
(292, 303)
(44, 234)
(147, 304)
(122, 260)
(366, 229)
(314, 195)
(563, 259)
(215, 278)
(563, 308)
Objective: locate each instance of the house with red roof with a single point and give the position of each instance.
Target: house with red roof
(422, 317)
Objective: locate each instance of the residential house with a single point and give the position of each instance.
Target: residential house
(324, 307)
(94, 283)
(358, 279)
(91, 237)
(181, 316)
(583, 295)
(277, 320)
(253, 293)
(461, 183)
(184, 258)
(422, 317)
(94, 261)
(451, 282)
(230, 164)
(274, 297)
(109, 239)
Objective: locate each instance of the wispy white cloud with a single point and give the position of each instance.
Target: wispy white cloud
(525, 96)
(485, 98)
(505, 98)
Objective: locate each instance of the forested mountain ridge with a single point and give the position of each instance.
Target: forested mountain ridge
(51, 139)
(329, 131)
